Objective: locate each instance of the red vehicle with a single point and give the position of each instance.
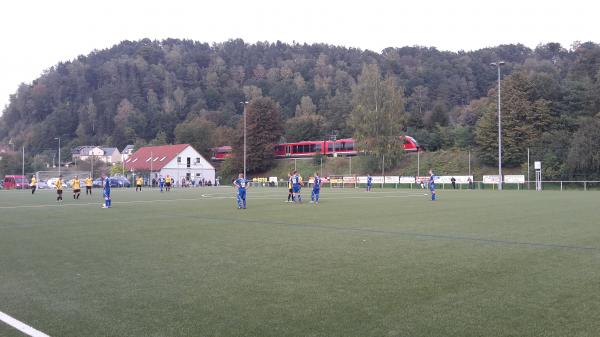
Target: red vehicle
(410, 144)
(18, 182)
(340, 147)
(220, 153)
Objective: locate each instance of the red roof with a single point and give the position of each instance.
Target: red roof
(153, 157)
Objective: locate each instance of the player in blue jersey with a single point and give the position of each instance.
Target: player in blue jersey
(314, 197)
(106, 192)
(241, 184)
(161, 183)
(296, 182)
(369, 182)
(432, 185)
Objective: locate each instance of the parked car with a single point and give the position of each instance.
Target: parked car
(42, 185)
(114, 182)
(13, 181)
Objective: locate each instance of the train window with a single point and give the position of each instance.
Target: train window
(295, 149)
(339, 146)
(330, 147)
(350, 146)
(317, 148)
(312, 148)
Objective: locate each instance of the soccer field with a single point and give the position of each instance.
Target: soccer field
(385, 263)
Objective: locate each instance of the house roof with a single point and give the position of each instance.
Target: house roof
(85, 150)
(108, 151)
(153, 157)
(127, 148)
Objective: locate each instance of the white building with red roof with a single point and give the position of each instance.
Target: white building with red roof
(178, 161)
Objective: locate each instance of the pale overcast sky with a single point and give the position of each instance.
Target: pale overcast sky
(36, 35)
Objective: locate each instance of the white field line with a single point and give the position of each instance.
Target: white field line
(207, 196)
(24, 328)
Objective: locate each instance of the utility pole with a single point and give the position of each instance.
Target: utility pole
(58, 154)
(498, 64)
(382, 170)
(244, 103)
(23, 166)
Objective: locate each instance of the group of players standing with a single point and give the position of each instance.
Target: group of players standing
(295, 185)
(76, 187)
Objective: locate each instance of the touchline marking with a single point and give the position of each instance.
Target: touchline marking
(203, 197)
(24, 328)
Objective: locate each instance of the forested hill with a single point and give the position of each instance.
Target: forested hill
(140, 91)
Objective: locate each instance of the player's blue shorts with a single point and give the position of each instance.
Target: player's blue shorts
(296, 188)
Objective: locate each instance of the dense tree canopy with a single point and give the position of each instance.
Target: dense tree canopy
(146, 91)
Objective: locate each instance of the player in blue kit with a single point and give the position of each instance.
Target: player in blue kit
(432, 185)
(106, 192)
(314, 197)
(369, 182)
(241, 184)
(296, 182)
(161, 183)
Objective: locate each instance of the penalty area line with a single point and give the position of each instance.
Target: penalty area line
(24, 328)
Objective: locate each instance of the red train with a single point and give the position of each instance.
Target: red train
(340, 147)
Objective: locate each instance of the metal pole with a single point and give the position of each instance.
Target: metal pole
(382, 170)
(350, 166)
(321, 166)
(23, 167)
(499, 133)
(528, 169)
(469, 163)
(294, 164)
(59, 156)
(418, 163)
(245, 138)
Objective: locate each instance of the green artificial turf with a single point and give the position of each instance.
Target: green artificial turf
(385, 263)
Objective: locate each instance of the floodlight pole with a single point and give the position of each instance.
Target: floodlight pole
(151, 178)
(382, 170)
(528, 170)
(244, 103)
(58, 154)
(498, 65)
(469, 162)
(23, 166)
(418, 163)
